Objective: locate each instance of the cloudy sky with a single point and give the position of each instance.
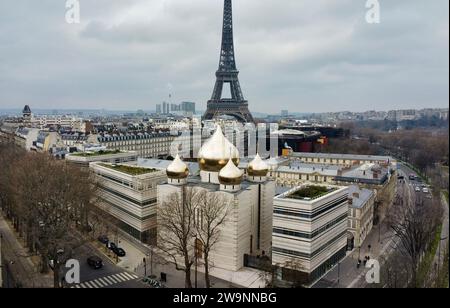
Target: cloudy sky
(301, 55)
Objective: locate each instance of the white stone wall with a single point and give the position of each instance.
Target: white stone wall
(241, 225)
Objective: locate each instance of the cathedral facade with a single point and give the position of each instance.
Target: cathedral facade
(248, 201)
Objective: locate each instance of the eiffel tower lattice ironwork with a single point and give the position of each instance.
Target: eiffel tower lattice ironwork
(227, 73)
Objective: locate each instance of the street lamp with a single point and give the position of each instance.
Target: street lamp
(145, 267)
(196, 260)
(339, 272)
(151, 260)
(439, 256)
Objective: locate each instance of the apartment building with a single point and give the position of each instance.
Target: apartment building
(146, 145)
(348, 160)
(361, 212)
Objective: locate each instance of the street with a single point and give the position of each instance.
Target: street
(21, 272)
(109, 276)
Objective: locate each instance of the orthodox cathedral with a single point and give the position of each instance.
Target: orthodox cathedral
(247, 231)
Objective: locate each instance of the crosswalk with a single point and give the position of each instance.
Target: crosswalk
(106, 281)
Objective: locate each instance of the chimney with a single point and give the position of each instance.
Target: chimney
(356, 195)
(350, 201)
(375, 175)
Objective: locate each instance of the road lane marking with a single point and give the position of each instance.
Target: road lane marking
(131, 276)
(104, 281)
(97, 283)
(123, 276)
(114, 279)
(107, 279)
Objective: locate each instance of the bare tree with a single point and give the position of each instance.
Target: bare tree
(176, 230)
(9, 153)
(53, 199)
(211, 212)
(292, 270)
(414, 229)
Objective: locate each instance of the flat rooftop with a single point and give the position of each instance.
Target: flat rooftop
(97, 153)
(310, 192)
(343, 156)
(295, 167)
(130, 170)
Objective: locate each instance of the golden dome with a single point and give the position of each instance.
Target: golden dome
(216, 152)
(230, 174)
(257, 167)
(177, 169)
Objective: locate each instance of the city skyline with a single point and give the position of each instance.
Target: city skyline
(321, 56)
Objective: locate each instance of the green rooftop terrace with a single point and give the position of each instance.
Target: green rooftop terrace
(99, 153)
(311, 192)
(130, 169)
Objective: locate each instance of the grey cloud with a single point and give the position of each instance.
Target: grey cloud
(302, 55)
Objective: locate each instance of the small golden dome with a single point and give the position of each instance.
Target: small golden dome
(177, 169)
(257, 167)
(216, 152)
(230, 174)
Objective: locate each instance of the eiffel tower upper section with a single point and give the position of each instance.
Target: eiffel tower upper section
(235, 105)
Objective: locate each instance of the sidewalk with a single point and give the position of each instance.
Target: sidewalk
(346, 274)
(20, 270)
(134, 261)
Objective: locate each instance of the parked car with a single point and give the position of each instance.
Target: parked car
(417, 189)
(103, 239)
(95, 262)
(425, 190)
(119, 251)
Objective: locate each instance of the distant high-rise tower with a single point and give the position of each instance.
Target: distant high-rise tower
(235, 105)
(26, 114)
(165, 108)
(188, 107)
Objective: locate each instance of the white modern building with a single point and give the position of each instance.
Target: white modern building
(309, 231)
(128, 194)
(83, 159)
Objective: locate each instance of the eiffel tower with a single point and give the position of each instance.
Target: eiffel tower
(227, 73)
